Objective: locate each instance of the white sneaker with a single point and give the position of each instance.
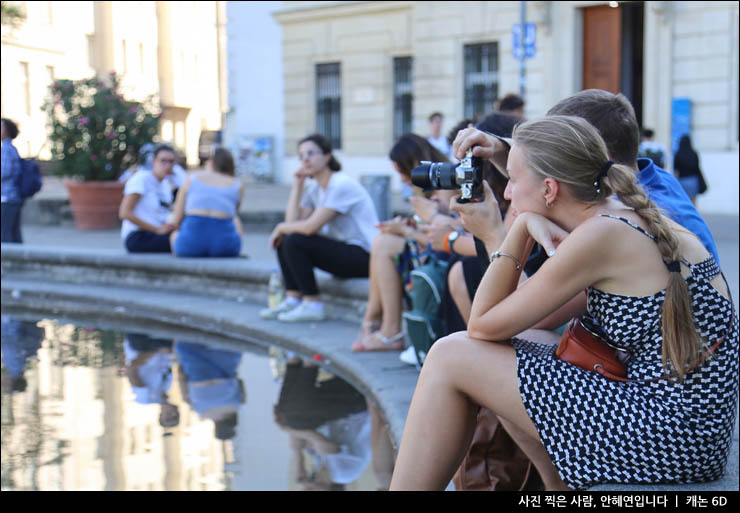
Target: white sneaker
(409, 356)
(286, 305)
(305, 312)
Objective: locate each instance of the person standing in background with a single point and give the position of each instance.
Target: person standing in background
(652, 149)
(436, 137)
(686, 168)
(512, 104)
(11, 196)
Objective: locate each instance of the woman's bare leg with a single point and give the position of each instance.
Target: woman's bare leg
(458, 374)
(459, 290)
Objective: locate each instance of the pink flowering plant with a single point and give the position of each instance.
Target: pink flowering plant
(95, 134)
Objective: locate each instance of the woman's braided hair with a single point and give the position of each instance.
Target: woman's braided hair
(571, 151)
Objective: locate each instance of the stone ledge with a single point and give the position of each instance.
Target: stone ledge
(234, 278)
(221, 295)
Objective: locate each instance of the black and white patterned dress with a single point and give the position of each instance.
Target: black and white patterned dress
(597, 430)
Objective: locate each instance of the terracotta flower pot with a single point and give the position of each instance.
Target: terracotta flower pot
(95, 204)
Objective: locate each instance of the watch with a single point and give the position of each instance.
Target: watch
(450, 241)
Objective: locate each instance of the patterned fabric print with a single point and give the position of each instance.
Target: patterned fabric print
(597, 430)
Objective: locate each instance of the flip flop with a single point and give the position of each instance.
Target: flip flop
(394, 343)
(367, 328)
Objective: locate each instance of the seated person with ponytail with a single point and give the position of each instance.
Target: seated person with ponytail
(332, 227)
(652, 286)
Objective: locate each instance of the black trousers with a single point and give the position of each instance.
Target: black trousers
(299, 254)
(11, 222)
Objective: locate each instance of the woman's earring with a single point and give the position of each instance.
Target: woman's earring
(548, 204)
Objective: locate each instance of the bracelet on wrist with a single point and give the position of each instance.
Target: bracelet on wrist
(497, 254)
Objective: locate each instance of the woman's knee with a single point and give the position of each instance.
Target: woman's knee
(293, 241)
(386, 244)
(447, 350)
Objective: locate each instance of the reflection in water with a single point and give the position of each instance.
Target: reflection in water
(85, 409)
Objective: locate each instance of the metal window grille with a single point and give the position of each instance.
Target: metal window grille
(402, 96)
(481, 78)
(329, 102)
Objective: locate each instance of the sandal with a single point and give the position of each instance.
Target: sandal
(376, 341)
(367, 328)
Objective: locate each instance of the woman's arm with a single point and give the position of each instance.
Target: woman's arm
(310, 225)
(294, 211)
(501, 310)
(126, 211)
(179, 207)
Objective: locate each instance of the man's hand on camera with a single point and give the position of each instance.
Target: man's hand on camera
(482, 219)
(484, 145)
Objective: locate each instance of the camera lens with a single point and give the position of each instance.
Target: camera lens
(443, 175)
(420, 176)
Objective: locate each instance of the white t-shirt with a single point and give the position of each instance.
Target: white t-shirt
(442, 144)
(357, 217)
(155, 373)
(154, 204)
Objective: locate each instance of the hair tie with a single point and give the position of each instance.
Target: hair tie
(674, 267)
(603, 174)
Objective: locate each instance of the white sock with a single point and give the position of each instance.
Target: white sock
(291, 301)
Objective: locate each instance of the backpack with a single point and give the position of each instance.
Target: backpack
(422, 324)
(29, 179)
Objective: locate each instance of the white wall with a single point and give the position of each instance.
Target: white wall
(720, 170)
(255, 75)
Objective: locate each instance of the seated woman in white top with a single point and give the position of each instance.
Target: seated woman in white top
(331, 228)
(207, 211)
(146, 205)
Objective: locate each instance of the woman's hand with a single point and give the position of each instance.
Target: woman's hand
(424, 208)
(276, 236)
(165, 229)
(482, 219)
(301, 174)
(545, 232)
(396, 226)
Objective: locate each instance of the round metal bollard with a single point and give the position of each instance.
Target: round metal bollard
(379, 188)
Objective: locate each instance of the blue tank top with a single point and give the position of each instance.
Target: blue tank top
(202, 196)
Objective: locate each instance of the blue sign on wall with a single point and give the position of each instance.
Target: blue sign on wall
(530, 36)
(680, 120)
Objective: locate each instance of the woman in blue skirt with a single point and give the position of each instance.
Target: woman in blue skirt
(207, 211)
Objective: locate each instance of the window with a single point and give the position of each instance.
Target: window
(328, 103)
(481, 78)
(26, 87)
(402, 96)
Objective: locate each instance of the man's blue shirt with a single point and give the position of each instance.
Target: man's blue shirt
(665, 190)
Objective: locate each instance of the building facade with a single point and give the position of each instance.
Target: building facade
(158, 48)
(364, 72)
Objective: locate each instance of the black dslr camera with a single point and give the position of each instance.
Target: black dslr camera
(466, 176)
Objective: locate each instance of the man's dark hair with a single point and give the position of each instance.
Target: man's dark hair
(10, 127)
(612, 115)
(510, 102)
(435, 115)
(647, 132)
(162, 147)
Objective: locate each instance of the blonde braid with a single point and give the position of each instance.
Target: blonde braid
(682, 344)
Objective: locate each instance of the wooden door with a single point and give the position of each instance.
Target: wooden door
(602, 48)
